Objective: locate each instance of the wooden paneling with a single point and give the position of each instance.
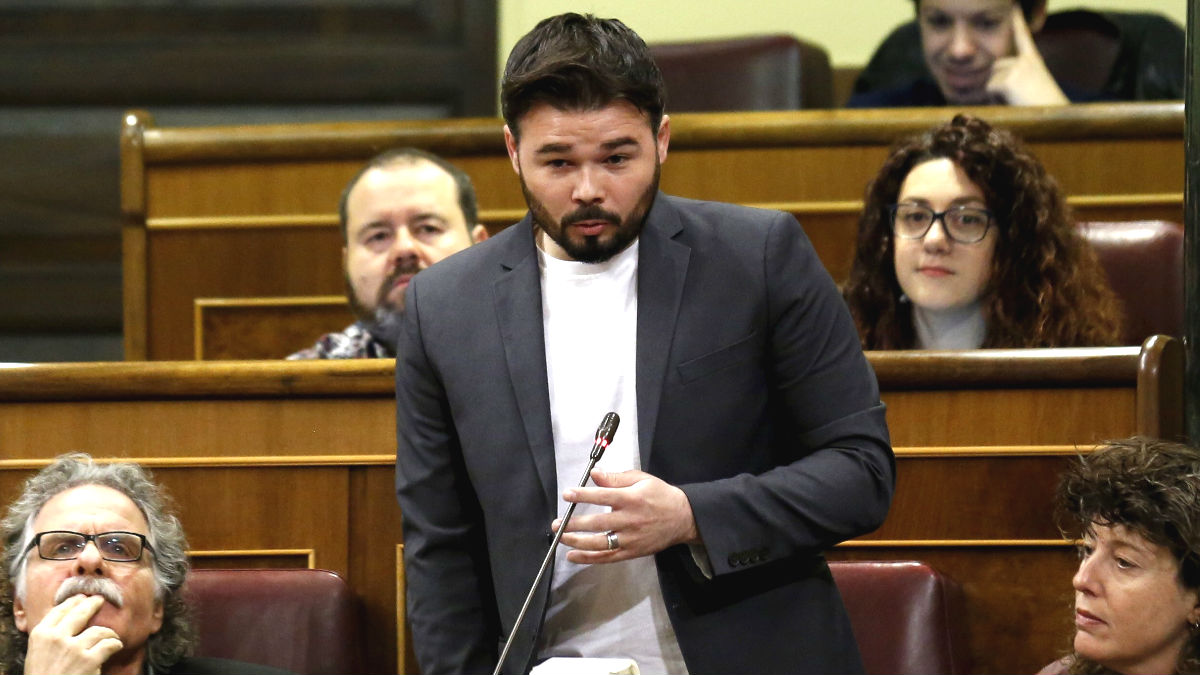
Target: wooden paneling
(265, 328)
(938, 497)
(985, 417)
(249, 211)
(292, 464)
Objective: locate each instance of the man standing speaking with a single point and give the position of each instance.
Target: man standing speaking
(752, 435)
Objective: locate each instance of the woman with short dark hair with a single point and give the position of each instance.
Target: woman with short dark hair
(1134, 505)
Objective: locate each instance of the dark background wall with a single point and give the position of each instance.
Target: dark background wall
(70, 68)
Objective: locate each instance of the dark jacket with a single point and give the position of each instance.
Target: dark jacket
(753, 397)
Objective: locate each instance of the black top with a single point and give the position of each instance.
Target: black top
(1148, 66)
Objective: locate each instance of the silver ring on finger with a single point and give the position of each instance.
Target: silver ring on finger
(613, 544)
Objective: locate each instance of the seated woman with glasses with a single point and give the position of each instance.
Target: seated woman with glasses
(964, 242)
(1134, 506)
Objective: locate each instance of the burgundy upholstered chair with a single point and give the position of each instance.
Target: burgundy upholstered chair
(1143, 260)
(302, 620)
(906, 616)
(767, 72)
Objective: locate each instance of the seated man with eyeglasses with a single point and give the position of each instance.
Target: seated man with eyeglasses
(91, 577)
(964, 242)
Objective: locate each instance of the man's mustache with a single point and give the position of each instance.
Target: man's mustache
(385, 289)
(101, 586)
(590, 212)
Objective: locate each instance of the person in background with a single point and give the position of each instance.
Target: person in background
(402, 212)
(965, 242)
(92, 576)
(981, 52)
(1134, 506)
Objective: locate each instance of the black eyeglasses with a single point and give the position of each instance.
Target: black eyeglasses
(962, 224)
(67, 545)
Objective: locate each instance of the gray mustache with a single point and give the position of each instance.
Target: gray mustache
(105, 588)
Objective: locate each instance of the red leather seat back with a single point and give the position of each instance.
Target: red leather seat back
(1143, 260)
(302, 620)
(906, 616)
(768, 72)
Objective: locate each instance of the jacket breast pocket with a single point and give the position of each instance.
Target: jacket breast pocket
(742, 351)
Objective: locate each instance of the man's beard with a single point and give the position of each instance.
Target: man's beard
(593, 249)
(383, 322)
(101, 586)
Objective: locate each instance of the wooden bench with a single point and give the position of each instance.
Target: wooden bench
(229, 212)
(1143, 261)
(290, 464)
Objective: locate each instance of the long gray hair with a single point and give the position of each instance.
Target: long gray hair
(170, 564)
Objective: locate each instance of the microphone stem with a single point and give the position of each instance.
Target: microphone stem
(537, 581)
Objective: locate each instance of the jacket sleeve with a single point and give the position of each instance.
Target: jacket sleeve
(834, 471)
(449, 587)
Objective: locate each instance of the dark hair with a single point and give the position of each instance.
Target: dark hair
(397, 156)
(1151, 487)
(578, 62)
(1046, 288)
(175, 639)
(1027, 6)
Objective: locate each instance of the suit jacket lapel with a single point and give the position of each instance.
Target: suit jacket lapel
(518, 297)
(662, 269)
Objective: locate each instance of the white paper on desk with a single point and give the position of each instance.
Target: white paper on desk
(565, 665)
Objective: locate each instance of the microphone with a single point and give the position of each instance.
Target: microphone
(604, 436)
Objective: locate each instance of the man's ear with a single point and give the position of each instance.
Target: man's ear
(157, 617)
(478, 233)
(510, 143)
(19, 617)
(345, 256)
(663, 139)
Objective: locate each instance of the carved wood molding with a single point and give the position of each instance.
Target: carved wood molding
(957, 543)
(267, 461)
(482, 135)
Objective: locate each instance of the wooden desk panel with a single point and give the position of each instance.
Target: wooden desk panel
(285, 457)
(265, 328)
(272, 428)
(998, 496)
(986, 417)
(242, 188)
(249, 211)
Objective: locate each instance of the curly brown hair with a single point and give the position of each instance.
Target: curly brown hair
(1150, 486)
(1046, 288)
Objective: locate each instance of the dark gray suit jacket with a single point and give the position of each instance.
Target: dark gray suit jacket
(753, 396)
